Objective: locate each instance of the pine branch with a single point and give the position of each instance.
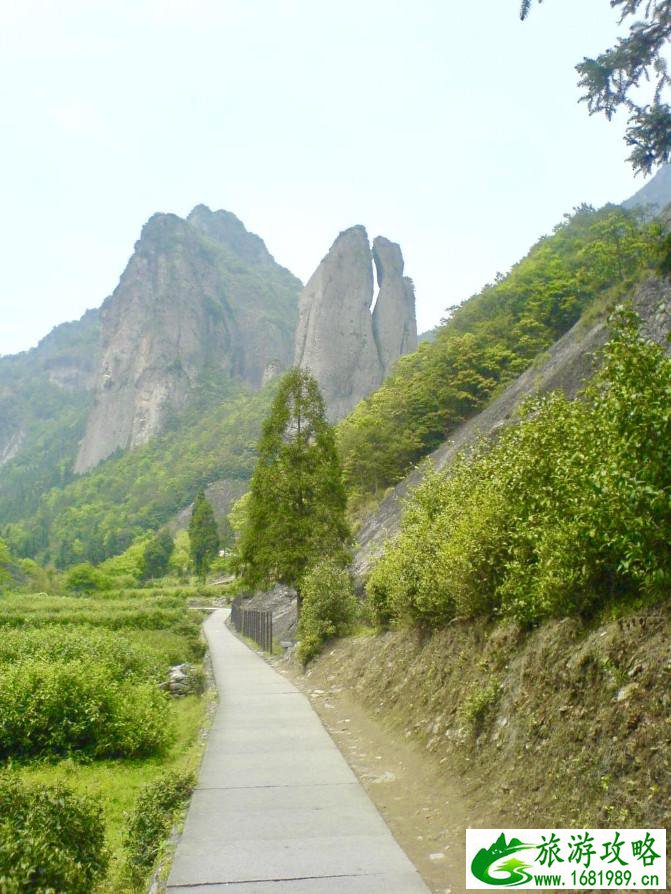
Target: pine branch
(524, 11)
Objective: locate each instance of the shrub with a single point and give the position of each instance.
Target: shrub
(57, 644)
(329, 607)
(125, 569)
(51, 840)
(154, 814)
(480, 703)
(156, 556)
(74, 706)
(114, 611)
(568, 509)
(84, 578)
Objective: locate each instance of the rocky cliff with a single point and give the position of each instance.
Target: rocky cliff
(200, 298)
(349, 347)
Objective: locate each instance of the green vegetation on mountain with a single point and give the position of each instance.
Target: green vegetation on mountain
(202, 317)
(489, 340)
(44, 400)
(295, 513)
(592, 257)
(567, 511)
(103, 512)
(5, 560)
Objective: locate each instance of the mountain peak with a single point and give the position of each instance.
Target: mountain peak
(225, 227)
(200, 297)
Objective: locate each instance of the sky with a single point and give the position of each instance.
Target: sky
(446, 125)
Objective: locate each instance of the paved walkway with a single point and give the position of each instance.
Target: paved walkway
(277, 809)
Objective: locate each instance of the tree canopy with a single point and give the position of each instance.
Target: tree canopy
(157, 553)
(610, 81)
(295, 514)
(203, 535)
(130, 495)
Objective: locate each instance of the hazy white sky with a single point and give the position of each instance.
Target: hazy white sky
(446, 125)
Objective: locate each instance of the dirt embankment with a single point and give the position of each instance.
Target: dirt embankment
(567, 725)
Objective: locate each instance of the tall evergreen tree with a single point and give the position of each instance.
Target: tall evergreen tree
(203, 535)
(296, 508)
(156, 556)
(639, 58)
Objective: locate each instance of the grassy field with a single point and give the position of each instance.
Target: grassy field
(81, 705)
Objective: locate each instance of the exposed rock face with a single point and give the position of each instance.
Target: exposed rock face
(349, 349)
(10, 444)
(334, 338)
(199, 297)
(394, 323)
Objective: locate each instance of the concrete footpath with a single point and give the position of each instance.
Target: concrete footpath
(277, 809)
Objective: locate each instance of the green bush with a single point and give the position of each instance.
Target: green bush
(569, 509)
(63, 707)
(142, 610)
(329, 607)
(123, 659)
(156, 556)
(84, 578)
(150, 823)
(480, 703)
(51, 840)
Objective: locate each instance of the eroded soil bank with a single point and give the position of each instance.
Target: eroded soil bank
(566, 725)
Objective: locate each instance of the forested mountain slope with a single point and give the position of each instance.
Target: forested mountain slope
(45, 395)
(99, 514)
(202, 314)
(565, 367)
(204, 407)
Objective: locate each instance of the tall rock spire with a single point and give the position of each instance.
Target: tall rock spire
(334, 338)
(348, 348)
(394, 324)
